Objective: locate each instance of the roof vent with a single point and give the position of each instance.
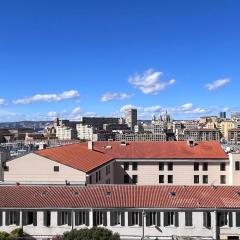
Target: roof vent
(238, 193)
(108, 147)
(173, 194)
(191, 142)
(123, 143)
(44, 193)
(108, 194)
(76, 193)
(90, 145)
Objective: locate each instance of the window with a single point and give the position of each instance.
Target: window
(47, 218)
(134, 179)
(224, 219)
(126, 178)
(170, 166)
(223, 167)
(81, 218)
(12, 218)
(161, 166)
(90, 179)
(98, 176)
(196, 179)
(108, 169)
(170, 178)
(205, 179)
(161, 178)
(126, 166)
(153, 218)
(99, 218)
(5, 168)
(108, 181)
(134, 166)
(134, 218)
(188, 219)
(64, 218)
(223, 179)
(30, 217)
(237, 219)
(171, 219)
(196, 166)
(56, 168)
(237, 166)
(205, 167)
(117, 218)
(207, 219)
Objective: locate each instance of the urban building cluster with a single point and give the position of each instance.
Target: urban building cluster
(159, 179)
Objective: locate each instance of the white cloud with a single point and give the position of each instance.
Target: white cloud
(153, 109)
(128, 106)
(114, 96)
(2, 101)
(48, 97)
(217, 84)
(52, 114)
(149, 82)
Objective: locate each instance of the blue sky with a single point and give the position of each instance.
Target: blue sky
(73, 58)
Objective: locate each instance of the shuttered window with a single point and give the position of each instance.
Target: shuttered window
(47, 218)
(153, 218)
(117, 218)
(30, 218)
(171, 219)
(134, 218)
(238, 219)
(12, 218)
(207, 220)
(188, 219)
(82, 218)
(64, 218)
(99, 218)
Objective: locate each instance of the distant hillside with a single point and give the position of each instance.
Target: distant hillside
(38, 125)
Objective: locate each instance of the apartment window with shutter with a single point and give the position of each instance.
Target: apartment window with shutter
(161, 166)
(207, 219)
(117, 218)
(188, 219)
(205, 166)
(135, 218)
(12, 218)
(170, 178)
(205, 179)
(171, 219)
(196, 167)
(223, 179)
(108, 169)
(196, 179)
(29, 218)
(47, 218)
(224, 219)
(81, 218)
(126, 166)
(0, 218)
(134, 179)
(99, 218)
(64, 218)
(237, 166)
(237, 219)
(153, 218)
(134, 166)
(161, 178)
(170, 166)
(223, 167)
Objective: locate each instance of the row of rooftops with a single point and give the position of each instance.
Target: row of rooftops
(120, 196)
(88, 156)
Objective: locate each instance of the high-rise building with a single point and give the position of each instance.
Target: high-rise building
(223, 115)
(131, 117)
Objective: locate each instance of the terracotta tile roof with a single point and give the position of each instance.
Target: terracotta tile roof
(163, 150)
(77, 156)
(120, 196)
(80, 157)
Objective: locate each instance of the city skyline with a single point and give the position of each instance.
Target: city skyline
(95, 59)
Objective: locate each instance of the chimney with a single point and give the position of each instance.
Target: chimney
(90, 145)
(191, 142)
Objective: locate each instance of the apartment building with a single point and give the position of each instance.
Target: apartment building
(84, 132)
(133, 137)
(202, 134)
(135, 212)
(234, 135)
(140, 163)
(65, 133)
